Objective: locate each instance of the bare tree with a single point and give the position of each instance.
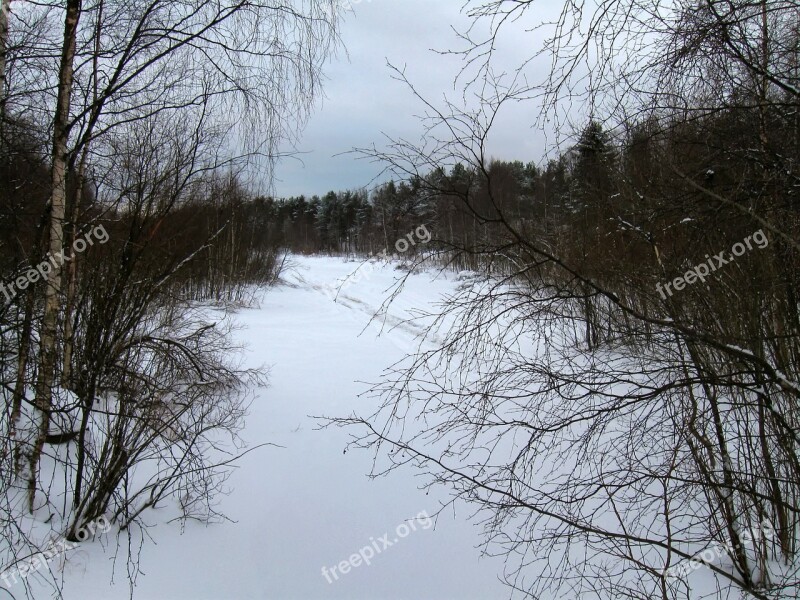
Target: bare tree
(260, 60)
(606, 432)
(5, 8)
(147, 108)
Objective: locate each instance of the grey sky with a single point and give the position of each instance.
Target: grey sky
(363, 102)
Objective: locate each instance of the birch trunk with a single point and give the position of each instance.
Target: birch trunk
(48, 346)
(5, 9)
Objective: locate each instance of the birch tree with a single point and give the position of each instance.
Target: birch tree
(42, 403)
(251, 69)
(5, 9)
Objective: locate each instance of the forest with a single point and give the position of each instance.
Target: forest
(613, 388)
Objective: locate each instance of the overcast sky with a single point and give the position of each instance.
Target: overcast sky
(362, 102)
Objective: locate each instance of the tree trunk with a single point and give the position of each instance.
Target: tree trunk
(5, 9)
(72, 277)
(48, 340)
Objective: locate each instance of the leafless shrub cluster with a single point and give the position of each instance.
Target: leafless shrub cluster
(604, 432)
(143, 118)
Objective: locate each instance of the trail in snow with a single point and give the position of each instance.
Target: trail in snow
(307, 505)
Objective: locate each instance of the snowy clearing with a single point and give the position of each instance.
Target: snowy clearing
(306, 505)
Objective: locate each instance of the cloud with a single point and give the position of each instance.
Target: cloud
(363, 102)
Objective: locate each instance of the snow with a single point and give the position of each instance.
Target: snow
(306, 504)
(304, 518)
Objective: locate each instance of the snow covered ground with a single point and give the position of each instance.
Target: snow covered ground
(306, 505)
